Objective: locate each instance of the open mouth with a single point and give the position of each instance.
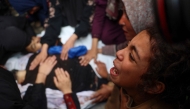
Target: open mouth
(114, 71)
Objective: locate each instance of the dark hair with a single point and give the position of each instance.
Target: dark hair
(170, 64)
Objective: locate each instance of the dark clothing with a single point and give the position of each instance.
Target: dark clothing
(15, 34)
(4, 8)
(23, 6)
(10, 97)
(75, 13)
(105, 29)
(82, 77)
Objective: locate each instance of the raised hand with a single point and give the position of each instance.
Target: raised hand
(63, 81)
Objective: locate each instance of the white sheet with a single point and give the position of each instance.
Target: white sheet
(55, 97)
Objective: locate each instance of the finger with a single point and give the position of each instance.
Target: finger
(81, 57)
(55, 81)
(67, 74)
(95, 95)
(66, 56)
(54, 62)
(95, 59)
(84, 61)
(33, 64)
(60, 74)
(81, 62)
(101, 62)
(97, 62)
(87, 61)
(97, 69)
(57, 73)
(53, 58)
(97, 99)
(48, 59)
(62, 55)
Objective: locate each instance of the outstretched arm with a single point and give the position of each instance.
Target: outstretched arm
(52, 30)
(35, 95)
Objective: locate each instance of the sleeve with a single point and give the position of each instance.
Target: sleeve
(35, 97)
(112, 49)
(122, 45)
(71, 101)
(10, 95)
(53, 24)
(84, 26)
(99, 18)
(2, 52)
(109, 50)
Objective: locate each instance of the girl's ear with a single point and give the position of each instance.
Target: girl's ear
(158, 88)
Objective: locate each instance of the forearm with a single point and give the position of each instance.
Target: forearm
(73, 37)
(94, 44)
(41, 78)
(44, 48)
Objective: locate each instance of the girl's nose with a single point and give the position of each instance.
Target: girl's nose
(119, 55)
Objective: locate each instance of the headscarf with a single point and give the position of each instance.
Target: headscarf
(140, 13)
(23, 6)
(112, 8)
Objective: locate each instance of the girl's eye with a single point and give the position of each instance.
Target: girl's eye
(131, 57)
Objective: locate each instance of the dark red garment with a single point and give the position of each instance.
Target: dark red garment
(105, 29)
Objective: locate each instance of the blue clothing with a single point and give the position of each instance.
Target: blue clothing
(22, 6)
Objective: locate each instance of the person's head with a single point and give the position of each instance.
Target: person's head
(137, 16)
(150, 67)
(18, 40)
(35, 45)
(133, 61)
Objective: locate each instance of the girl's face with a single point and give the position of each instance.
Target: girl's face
(35, 45)
(127, 27)
(132, 62)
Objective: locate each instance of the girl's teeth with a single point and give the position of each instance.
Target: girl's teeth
(115, 71)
